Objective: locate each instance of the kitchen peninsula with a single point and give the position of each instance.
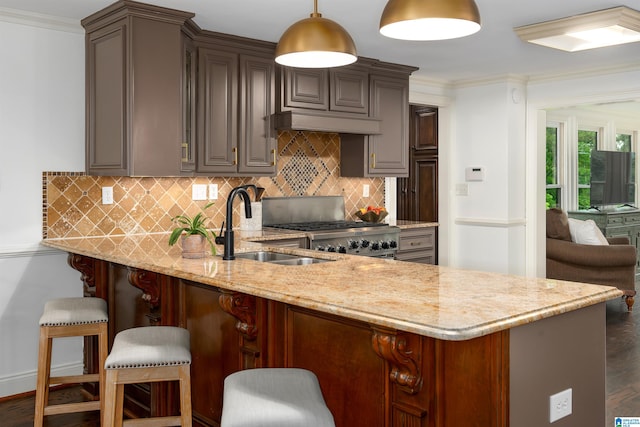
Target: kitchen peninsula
(392, 343)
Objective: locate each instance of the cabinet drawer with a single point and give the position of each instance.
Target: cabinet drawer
(417, 239)
(423, 257)
(615, 220)
(632, 219)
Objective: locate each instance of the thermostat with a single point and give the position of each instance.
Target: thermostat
(474, 173)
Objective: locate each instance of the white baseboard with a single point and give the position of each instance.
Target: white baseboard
(26, 381)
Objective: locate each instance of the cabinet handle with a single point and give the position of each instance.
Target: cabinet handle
(235, 155)
(185, 152)
(273, 151)
(373, 162)
(415, 244)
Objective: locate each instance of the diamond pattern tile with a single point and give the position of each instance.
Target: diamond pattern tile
(308, 164)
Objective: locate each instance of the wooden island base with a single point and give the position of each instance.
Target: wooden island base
(370, 375)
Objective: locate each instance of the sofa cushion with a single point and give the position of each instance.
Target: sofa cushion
(586, 232)
(558, 225)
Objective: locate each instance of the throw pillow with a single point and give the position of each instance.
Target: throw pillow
(586, 232)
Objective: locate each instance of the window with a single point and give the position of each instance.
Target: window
(623, 142)
(587, 142)
(553, 165)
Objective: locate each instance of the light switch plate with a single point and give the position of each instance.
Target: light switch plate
(462, 189)
(365, 190)
(199, 192)
(107, 195)
(213, 191)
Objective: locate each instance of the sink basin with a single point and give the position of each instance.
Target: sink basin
(279, 258)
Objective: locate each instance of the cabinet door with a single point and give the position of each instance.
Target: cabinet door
(217, 151)
(107, 152)
(189, 75)
(424, 194)
(424, 127)
(305, 88)
(389, 151)
(349, 90)
(257, 144)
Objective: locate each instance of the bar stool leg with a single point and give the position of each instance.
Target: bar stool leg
(185, 395)
(42, 383)
(103, 352)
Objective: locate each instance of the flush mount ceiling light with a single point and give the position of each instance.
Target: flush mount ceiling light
(429, 19)
(607, 27)
(316, 42)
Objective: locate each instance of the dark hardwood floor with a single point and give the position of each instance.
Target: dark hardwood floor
(623, 379)
(623, 361)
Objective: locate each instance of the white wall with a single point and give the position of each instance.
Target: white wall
(488, 223)
(41, 129)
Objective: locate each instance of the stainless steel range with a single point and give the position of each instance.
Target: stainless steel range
(322, 218)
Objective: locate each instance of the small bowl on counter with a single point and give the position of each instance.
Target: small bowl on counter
(371, 216)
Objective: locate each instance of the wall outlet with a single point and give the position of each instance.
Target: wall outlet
(365, 190)
(199, 192)
(560, 405)
(462, 189)
(107, 195)
(213, 191)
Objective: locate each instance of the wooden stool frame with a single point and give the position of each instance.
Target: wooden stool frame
(116, 378)
(45, 380)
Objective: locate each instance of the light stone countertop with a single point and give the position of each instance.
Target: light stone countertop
(439, 302)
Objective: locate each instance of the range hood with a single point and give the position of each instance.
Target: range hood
(321, 121)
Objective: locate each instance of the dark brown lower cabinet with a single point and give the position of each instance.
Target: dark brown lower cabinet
(370, 375)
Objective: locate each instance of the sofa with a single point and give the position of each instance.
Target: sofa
(611, 262)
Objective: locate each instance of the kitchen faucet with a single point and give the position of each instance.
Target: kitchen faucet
(228, 234)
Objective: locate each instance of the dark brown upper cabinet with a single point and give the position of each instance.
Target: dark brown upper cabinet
(341, 89)
(235, 105)
(387, 153)
(134, 89)
(304, 88)
(165, 98)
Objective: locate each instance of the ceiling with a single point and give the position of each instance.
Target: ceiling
(492, 52)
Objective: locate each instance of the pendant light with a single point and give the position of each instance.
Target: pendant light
(315, 42)
(429, 19)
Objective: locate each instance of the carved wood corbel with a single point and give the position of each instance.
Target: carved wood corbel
(147, 282)
(392, 347)
(243, 308)
(86, 268)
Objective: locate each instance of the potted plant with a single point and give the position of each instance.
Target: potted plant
(193, 234)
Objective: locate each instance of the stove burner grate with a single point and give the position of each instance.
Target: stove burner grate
(327, 225)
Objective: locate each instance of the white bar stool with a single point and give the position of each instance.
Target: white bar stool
(142, 355)
(274, 397)
(69, 317)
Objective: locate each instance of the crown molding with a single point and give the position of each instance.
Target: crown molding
(40, 20)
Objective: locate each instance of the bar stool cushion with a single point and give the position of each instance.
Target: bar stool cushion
(149, 346)
(74, 311)
(274, 397)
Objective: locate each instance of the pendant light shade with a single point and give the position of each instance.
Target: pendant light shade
(316, 42)
(429, 19)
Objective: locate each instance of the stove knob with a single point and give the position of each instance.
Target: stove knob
(375, 246)
(342, 249)
(331, 248)
(393, 244)
(385, 245)
(320, 248)
(353, 244)
(364, 243)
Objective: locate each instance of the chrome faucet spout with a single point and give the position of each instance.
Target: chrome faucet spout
(228, 234)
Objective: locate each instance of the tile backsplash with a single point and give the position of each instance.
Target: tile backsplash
(308, 165)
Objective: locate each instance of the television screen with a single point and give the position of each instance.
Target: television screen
(612, 178)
